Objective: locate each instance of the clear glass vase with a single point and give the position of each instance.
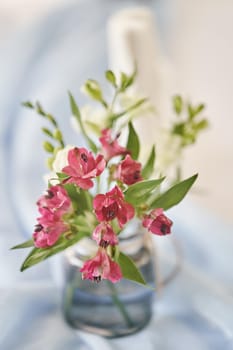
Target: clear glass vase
(107, 309)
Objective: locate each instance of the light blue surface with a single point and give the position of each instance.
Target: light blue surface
(195, 311)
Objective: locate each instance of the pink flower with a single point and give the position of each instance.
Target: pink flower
(101, 267)
(49, 228)
(52, 207)
(104, 235)
(48, 218)
(112, 205)
(111, 147)
(129, 171)
(82, 167)
(157, 222)
(56, 200)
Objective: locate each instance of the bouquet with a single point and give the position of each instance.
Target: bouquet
(96, 190)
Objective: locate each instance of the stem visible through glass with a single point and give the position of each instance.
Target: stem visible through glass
(120, 306)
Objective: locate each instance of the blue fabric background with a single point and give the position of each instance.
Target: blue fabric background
(195, 310)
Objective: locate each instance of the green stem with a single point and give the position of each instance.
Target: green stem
(88, 199)
(129, 109)
(104, 103)
(120, 306)
(98, 184)
(114, 99)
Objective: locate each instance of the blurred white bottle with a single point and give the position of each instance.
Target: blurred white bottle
(133, 37)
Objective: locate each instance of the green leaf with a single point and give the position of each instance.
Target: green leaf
(133, 144)
(129, 269)
(149, 166)
(138, 193)
(174, 195)
(62, 176)
(110, 76)
(77, 115)
(194, 111)
(57, 135)
(84, 223)
(39, 109)
(48, 147)
(73, 193)
(199, 108)
(28, 104)
(85, 200)
(127, 80)
(202, 124)
(124, 81)
(179, 129)
(81, 199)
(177, 104)
(37, 255)
(27, 244)
(47, 132)
(93, 90)
(75, 110)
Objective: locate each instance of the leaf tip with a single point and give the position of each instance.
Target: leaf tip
(70, 95)
(195, 176)
(22, 268)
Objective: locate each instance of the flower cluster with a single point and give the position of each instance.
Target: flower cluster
(52, 206)
(55, 206)
(94, 192)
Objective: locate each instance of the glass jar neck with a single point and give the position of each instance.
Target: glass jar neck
(131, 241)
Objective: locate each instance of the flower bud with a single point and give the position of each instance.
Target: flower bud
(48, 147)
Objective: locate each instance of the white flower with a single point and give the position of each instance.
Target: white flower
(94, 120)
(61, 159)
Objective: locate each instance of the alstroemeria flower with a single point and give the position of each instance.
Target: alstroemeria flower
(83, 167)
(49, 228)
(56, 200)
(104, 235)
(101, 267)
(112, 205)
(157, 222)
(45, 238)
(111, 147)
(129, 171)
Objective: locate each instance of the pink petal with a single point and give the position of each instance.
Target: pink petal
(73, 159)
(100, 164)
(69, 171)
(114, 274)
(147, 221)
(157, 212)
(98, 200)
(85, 184)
